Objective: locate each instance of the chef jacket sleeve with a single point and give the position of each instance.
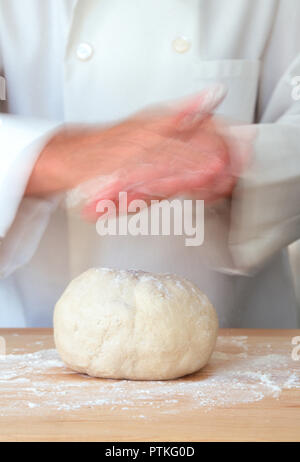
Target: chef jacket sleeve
(22, 219)
(264, 213)
(265, 207)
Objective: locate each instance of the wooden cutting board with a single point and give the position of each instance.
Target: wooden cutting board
(249, 391)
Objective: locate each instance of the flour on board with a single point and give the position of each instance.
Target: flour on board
(39, 382)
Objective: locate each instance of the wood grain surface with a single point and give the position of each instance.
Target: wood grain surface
(41, 400)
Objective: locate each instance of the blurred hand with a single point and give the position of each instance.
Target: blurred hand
(154, 155)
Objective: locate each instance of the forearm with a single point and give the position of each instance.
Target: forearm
(77, 154)
(56, 167)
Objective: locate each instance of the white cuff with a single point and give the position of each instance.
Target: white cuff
(265, 214)
(22, 220)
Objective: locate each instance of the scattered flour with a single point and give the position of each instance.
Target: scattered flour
(237, 373)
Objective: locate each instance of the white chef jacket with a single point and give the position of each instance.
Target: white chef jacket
(101, 61)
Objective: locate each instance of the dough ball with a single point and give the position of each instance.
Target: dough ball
(134, 325)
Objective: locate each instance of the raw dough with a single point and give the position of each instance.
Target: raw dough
(134, 325)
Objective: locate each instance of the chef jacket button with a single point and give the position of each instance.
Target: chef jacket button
(181, 44)
(84, 51)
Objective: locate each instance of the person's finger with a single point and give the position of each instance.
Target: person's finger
(201, 106)
(187, 114)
